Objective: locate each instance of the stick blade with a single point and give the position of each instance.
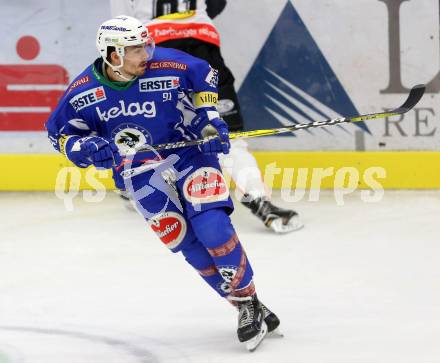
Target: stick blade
(414, 97)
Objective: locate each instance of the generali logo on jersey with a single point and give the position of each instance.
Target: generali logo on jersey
(146, 109)
(88, 98)
(168, 65)
(170, 227)
(205, 185)
(79, 82)
(158, 84)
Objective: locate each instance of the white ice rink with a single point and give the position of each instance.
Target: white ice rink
(360, 283)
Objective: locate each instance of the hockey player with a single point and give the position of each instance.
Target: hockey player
(136, 94)
(187, 25)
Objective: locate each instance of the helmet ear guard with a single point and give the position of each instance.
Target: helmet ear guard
(120, 51)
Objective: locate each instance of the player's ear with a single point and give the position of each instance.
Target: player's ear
(114, 58)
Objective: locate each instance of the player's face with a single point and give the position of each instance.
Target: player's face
(135, 59)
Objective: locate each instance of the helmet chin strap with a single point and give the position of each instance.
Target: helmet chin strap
(116, 71)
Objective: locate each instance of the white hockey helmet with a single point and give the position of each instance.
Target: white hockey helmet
(120, 32)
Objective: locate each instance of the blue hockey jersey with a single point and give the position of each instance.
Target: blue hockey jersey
(154, 108)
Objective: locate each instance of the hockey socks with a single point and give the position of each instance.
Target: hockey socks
(220, 259)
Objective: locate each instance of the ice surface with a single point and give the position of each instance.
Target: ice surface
(360, 283)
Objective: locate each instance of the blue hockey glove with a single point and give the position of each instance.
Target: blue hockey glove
(91, 150)
(203, 128)
(220, 144)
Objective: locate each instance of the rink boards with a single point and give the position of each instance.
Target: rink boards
(286, 170)
(289, 69)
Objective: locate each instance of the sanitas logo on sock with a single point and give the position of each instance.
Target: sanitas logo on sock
(147, 109)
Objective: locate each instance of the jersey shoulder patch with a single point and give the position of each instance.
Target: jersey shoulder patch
(82, 81)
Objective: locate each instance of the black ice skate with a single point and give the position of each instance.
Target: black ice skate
(251, 325)
(278, 219)
(272, 321)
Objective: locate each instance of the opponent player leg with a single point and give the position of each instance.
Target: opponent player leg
(241, 165)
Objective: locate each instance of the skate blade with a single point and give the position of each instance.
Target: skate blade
(279, 227)
(253, 343)
(277, 333)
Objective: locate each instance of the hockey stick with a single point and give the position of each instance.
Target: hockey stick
(414, 97)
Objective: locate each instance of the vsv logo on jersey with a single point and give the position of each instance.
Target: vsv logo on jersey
(128, 136)
(147, 109)
(88, 98)
(158, 84)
